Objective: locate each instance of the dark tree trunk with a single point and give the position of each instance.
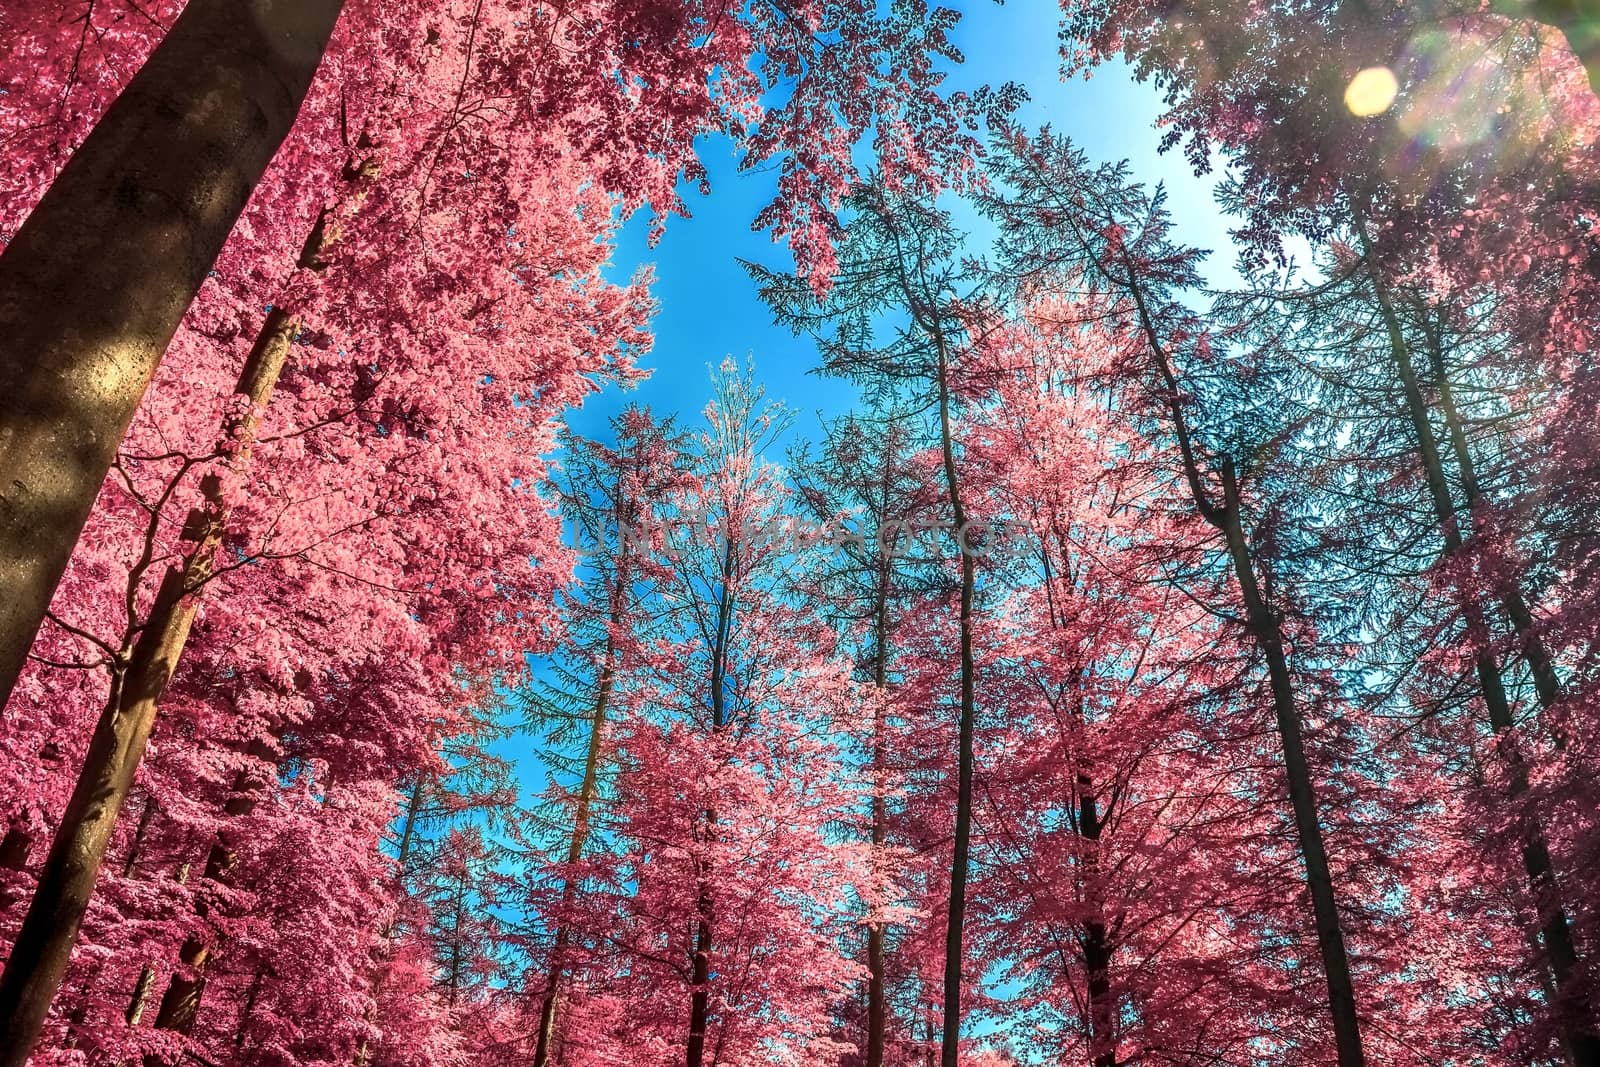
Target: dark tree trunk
(98, 277)
(14, 849)
(877, 1009)
(180, 1004)
(700, 975)
(949, 1050)
(1263, 623)
(700, 1000)
(1578, 1033)
(1264, 627)
(1097, 946)
(44, 943)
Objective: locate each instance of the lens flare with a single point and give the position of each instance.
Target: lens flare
(1371, 91)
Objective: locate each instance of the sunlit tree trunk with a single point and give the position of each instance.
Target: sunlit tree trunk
(96, 280)
(44, 943)
(140, 1000)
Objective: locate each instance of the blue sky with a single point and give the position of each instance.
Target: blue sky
(708, 306)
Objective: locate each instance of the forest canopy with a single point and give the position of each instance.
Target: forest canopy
(1169, 655)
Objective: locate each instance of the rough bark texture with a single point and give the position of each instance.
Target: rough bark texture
(44, 943)
(97, 279)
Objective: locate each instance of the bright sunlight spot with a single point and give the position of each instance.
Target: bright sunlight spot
(1371, 91)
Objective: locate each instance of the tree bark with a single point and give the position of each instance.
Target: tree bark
(1546, 682)
(14, 849)
(700, 975)
(44, 943)
(1265, 628)
(180, 1004)
(877, 1013)
(1097, 946)
(1263, 623)
(580, 837)
(1578, 1035)
(97, 279)
(147, 974)
(949, 1050)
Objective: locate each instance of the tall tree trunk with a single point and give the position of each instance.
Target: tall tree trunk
(700, 975)
(419, 791)
(1097, 947)
(1541, 665)
(1578, 1035)
(1263, 623)
(99, 276)
(580, 837)
(877, 1013)
(877, 1006)
(1264, 626)
(180, 1004)
(700, 1000)
(951, 1041)
(44, 943)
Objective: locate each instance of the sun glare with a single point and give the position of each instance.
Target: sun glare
(1371, 91)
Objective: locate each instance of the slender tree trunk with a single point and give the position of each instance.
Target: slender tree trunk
(700, 999)
(1097, 947)
(180, 1004)
(44, 943)
(1265, 628)
(587, 790)
(249, 1008)
(419, 791)
(141, 995)
(1263, 623)
(147, 974)
(1546, 682)
(1578, 1034)
(580, 837)
(98, 277)
(877, 1014)
(951, 1041)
